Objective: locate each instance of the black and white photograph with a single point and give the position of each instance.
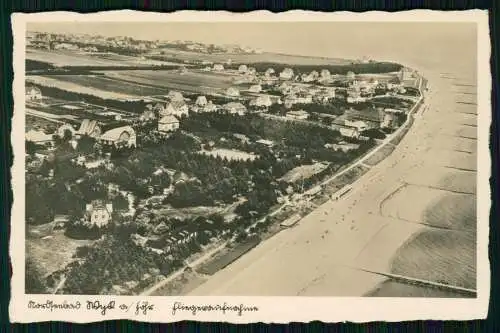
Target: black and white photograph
(312, 159)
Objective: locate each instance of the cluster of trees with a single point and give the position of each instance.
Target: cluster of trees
(304, 136)
(111, 262)
(59, 186)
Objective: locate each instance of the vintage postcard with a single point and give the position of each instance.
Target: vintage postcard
(252, 167)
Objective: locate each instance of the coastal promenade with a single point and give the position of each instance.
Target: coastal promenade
(342, 246)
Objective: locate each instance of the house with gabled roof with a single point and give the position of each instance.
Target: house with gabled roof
(90, 128)
(235, 108)
(168, 123)
(119, 137)
(286, 74)
(33, 93)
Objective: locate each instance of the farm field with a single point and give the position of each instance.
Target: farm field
(77, 88)
(193, 81)
(34, 122)
(97, 85)
(77, 111)
(50, 116)
(75, 59)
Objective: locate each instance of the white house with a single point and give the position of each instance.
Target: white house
(175, 96)
(351, 75)
(235, 108)
(349, 132)
(147, 115)
(243, 69)
(256, 88)
(38, 137)
(232, 91)
(263, 100)
(313, 76)
(90, 128)
(210, 107)
(355, 99)
(168, 123)
(33, 93)
(286, 74)
(358, 124)
(119, 137)
(405, 74)
(98, 214)
(269, 72)
(176, 108)
(264, 142)
(201, 101)
(299, 115)
(325, 75)
(218, 67)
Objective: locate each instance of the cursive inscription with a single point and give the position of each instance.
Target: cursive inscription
(51, 305)
(100, 306)
(194, 309)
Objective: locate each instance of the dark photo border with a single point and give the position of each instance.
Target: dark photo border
(491, 324)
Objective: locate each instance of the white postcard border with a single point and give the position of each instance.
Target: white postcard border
(270, 309)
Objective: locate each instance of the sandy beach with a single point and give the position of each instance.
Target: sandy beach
(329, 251)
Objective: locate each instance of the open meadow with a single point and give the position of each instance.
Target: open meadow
(192, 81)
(97, 85)
(81, 59)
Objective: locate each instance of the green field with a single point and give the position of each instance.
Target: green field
(192, 81)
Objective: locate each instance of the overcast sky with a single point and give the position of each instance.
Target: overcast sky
(384, 41)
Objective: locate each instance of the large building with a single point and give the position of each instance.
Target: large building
(98, 214)
(119, 137)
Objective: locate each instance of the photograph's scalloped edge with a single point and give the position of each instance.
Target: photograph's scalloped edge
(274, 309)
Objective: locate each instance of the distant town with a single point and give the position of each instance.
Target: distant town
(150, 161)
